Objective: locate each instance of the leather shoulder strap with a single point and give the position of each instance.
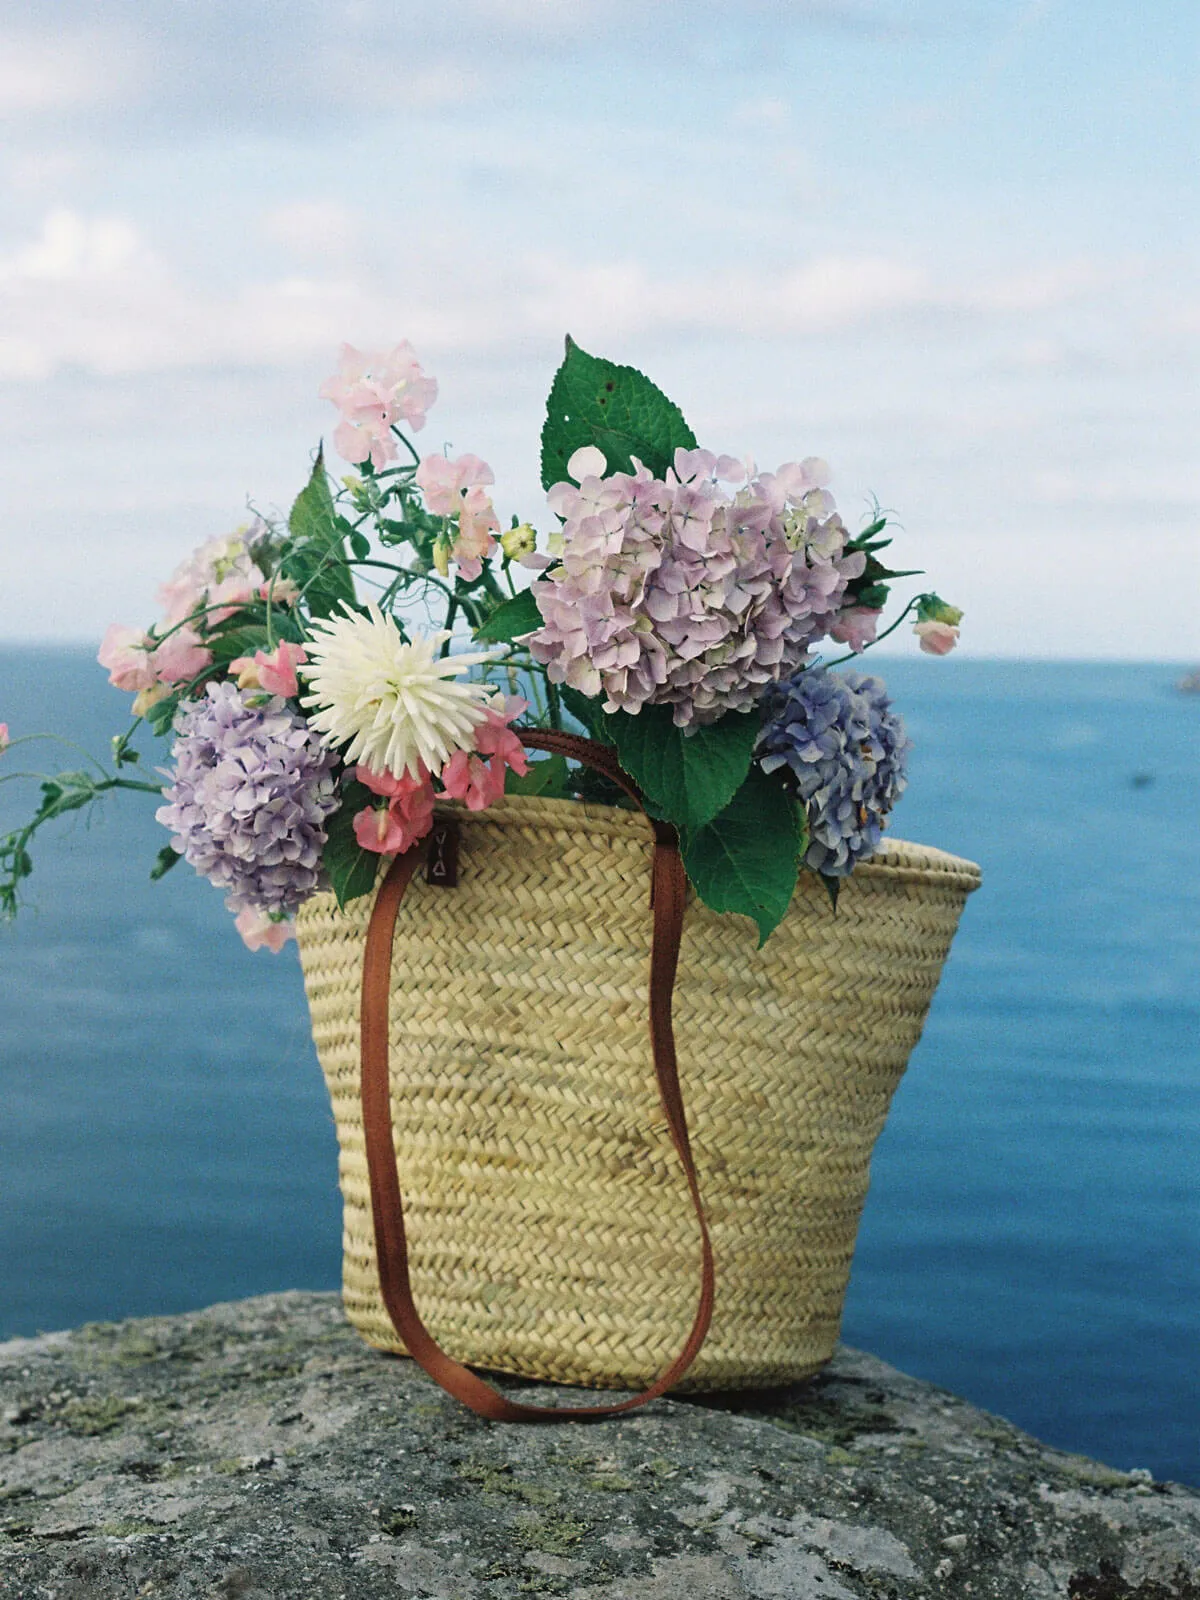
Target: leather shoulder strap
(669, 888)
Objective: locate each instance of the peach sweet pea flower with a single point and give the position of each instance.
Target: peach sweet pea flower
(274, 671)
(260, 931)
(937, 638)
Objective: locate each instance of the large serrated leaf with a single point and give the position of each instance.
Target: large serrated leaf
(745, 860)
(688, 777)
(515, 617)
(315, 557)
(587, 711)
(597, 402)
(351, 869)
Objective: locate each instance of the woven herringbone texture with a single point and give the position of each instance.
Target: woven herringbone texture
(549, 1224)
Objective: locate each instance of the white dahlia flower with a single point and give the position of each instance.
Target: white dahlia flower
(394, 704)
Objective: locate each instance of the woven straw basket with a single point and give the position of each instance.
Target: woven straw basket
(550, 1227)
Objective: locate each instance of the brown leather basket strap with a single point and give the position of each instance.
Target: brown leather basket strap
(670, 890)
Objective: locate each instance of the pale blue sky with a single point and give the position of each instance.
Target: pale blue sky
(952, 247)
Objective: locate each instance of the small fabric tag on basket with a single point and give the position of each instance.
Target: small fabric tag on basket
(441, 864)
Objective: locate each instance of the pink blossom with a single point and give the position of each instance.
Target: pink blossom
(479, 781)
(220, 575)
(388, 785)
(470, 778)
(408, 815)
(5, 741)
(127, 653)
(181, 656)
(937, 638)
(856, 626)
(261, 931)
(493, 737)
(373, 392)
(477, 522)
(274, 671)
(445, 483)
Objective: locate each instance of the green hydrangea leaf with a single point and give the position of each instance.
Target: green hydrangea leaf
(745, 860)
(166, 858)
(547, 778)
(588, 712)
(515, 617)
(315, 556)
(597, 402)
(352, 870)
(688, 777)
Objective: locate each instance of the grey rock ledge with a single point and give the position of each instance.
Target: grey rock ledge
(259, 1449)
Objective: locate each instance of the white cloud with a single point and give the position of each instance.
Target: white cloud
(91, 292)
(60, 70)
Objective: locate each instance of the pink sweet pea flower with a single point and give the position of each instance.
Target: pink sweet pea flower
(260, 931)
(470, 778)
(5, 741)
(127, 653)
(445, 483)
(937, 638)
(480, 781)
(181, 656)
(373, 392)
(493, 737)
(856, 626)
(477, 522)
(408, 815)
(274, 671)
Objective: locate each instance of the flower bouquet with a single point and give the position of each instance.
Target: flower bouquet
(365, 686)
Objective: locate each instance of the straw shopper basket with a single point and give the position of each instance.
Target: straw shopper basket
(550, 1227)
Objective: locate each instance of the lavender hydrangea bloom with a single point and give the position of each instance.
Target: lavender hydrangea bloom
(252, 788)
(847, 750)
(677, 592)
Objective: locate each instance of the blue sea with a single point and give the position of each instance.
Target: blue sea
(1032, 1235)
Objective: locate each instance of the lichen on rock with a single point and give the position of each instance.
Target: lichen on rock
(260, 1451)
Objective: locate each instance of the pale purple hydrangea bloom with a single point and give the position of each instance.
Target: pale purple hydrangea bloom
(846, 750)
(684, 593)
(253, 785)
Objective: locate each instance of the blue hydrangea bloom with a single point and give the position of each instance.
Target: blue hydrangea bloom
(846, 749)
(251, 790)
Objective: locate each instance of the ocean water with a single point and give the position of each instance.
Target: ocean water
(1032, 1235)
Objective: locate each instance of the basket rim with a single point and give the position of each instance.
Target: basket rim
(899, 860)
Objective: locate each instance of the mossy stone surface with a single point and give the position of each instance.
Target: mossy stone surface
(260, 1451)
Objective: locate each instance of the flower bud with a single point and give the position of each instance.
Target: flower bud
(149, 697)
(519, 541)
(932, 608)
